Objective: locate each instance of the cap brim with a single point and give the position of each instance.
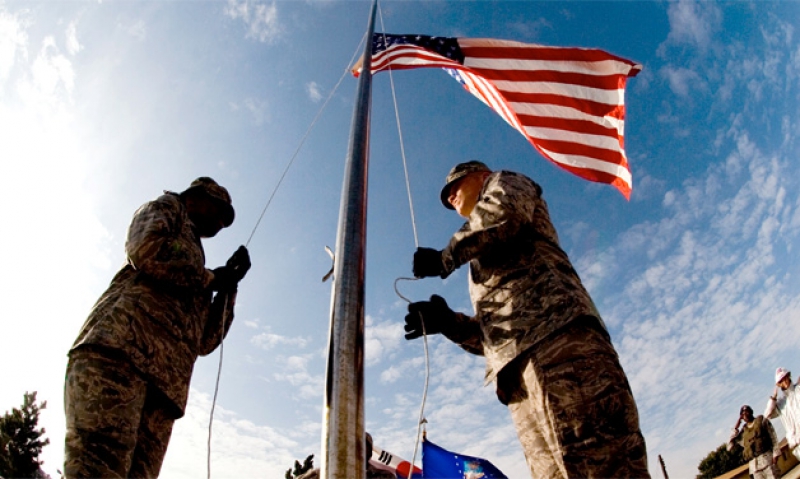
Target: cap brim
(445, 194)
(227, 213)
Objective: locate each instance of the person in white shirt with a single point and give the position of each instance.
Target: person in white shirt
(787, 407)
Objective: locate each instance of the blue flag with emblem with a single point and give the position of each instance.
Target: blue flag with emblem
(439, 463)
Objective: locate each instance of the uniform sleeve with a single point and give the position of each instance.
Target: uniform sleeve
(466, 332)
(220, 317)
(735, 439)
(776, 447)
(504, 206)
(156, 248)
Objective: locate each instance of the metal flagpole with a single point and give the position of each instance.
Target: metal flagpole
(343, 448)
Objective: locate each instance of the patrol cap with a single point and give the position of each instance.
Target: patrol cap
(781, 373)
(209, 187)
(459, 171)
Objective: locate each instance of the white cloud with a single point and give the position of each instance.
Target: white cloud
(532, 28)
(682, 81)
(261, 19)
(137, 29)
(463, 415)
(391, 375)
(251, 323)
(13, 42)
(51, 72)
(711, 295)
(239, 448)
(257, 108)
(58, 261)
(73, 45)
(267, 340)
(381, 338)
(313, 91)
(295, 372)
(692, 23)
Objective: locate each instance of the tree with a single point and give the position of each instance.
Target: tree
(720, 461)
(21, 440)
(299, 470)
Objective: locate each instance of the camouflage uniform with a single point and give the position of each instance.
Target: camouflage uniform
(760, 463)
(129, 369)
(543, 338)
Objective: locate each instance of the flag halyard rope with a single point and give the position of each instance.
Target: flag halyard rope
(421, 419)
(303, 139)
(258, 222)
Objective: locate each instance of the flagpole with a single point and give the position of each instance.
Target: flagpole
(343, 447)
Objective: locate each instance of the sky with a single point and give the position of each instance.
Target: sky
(105, 104)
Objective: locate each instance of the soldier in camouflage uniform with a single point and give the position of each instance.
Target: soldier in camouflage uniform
(129, 369)
(544, 341)
(759, 442)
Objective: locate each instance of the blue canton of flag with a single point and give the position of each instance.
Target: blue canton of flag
(444, 46)
(439, 463)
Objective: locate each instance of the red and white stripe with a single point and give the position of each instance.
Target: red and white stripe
(568, 102)
(406, 56)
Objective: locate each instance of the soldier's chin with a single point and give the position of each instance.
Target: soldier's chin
(209, 233)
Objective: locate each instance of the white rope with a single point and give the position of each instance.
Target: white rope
(272, 195)
(303, 140)
(216, 389)
(400, 135)
(427, 375)
(416, 243)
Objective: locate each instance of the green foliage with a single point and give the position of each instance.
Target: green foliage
(21, 440)
(720, 461)
(299, 470)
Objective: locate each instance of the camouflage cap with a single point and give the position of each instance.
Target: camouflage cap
(460, 171)
(213, 190)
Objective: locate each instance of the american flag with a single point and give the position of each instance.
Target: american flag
(568, 102)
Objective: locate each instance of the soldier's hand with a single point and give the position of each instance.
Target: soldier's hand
(427, 263)
(435, 314)
(226, 278)
(239, 263)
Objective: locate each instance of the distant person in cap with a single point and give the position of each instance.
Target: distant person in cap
(543, 339)
(129, 369)
(759, 442)
(787, 407)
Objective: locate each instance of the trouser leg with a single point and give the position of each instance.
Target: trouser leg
(573, 408)
(769, 472)
(536, 431)
(103, 402)
(155, 430)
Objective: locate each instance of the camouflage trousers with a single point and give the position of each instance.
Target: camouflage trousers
(117, 426)
(573, 408)
(768, 469)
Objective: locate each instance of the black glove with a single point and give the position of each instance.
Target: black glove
(226, 278)
(239, 263)
(434, 313)
(428, 262)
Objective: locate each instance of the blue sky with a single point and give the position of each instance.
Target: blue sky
(105, 104)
